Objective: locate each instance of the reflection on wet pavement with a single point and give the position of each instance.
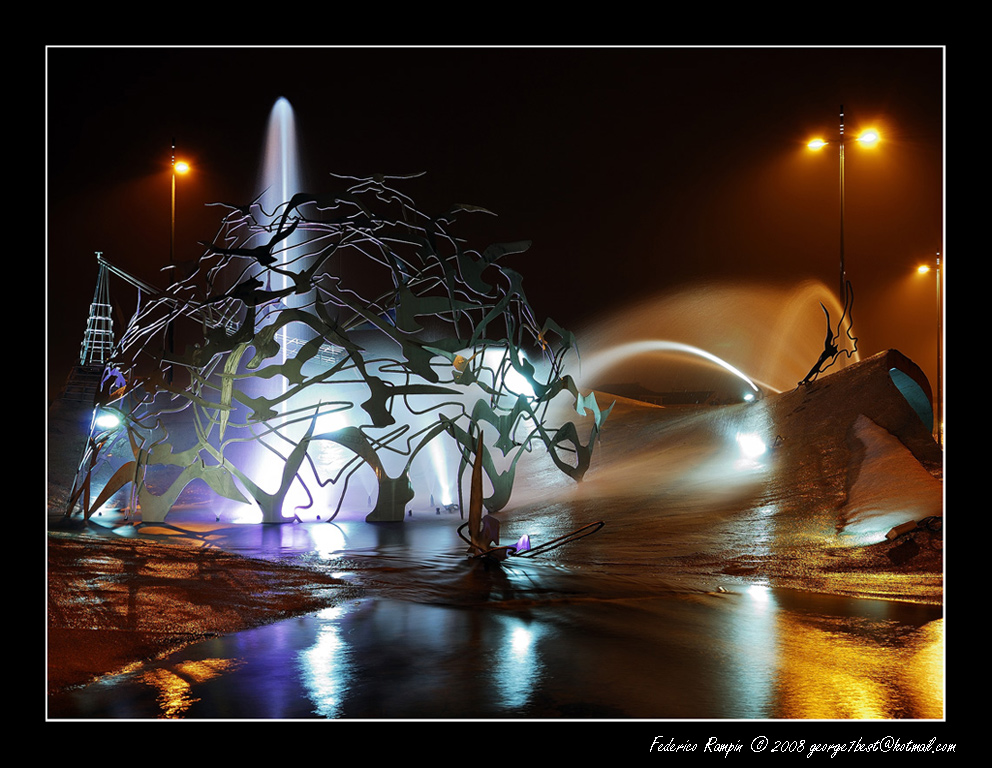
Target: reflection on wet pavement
(757, 653)
(665, 614)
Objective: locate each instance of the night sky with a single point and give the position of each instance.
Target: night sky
(635, 172)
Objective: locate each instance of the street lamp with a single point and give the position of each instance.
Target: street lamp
(867, 138)
(181, 168)
(923, 269)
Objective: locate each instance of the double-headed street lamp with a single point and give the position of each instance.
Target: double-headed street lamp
(867, 138)
(923, 269)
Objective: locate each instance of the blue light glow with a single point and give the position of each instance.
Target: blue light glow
(107, 420)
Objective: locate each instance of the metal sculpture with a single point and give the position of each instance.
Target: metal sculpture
(831, 351)
(353, 305)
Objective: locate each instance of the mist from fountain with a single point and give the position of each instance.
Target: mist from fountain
(733, 338)
(762, 335)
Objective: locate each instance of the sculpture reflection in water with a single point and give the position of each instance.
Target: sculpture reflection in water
(349, 320)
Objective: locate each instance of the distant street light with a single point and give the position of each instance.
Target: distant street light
(924, 269)
(867, 138)
(180, 167)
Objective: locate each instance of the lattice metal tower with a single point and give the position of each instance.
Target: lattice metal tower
(98, 340)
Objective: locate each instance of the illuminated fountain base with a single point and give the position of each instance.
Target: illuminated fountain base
(780, 490)
(728, 529)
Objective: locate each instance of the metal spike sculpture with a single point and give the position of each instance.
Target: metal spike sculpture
(831, 351)
(404, 331)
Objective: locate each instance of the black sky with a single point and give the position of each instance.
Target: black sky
(634, 171)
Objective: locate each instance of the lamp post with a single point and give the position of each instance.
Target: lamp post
(923, 269)
(867, 138)
(180, 167)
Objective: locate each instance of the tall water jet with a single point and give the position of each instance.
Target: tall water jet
(280, 177)
(280, 166)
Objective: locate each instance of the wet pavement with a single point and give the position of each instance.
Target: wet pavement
(728, 656)
(527, 640)
(718, 590)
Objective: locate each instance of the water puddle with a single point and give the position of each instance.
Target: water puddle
(757, 653)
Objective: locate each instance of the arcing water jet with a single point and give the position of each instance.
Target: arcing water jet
(767, 334)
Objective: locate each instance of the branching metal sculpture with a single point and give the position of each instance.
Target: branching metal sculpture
(351, 321)
(831, 351)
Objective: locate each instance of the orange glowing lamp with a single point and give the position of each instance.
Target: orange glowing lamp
(869, 138)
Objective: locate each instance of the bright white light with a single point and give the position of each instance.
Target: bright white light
(439, 463)
(324, 668)
(751, 445)
(327, 539)
(498, 361)
(760, 592)
(869, 137)
(331, 613)
(245, 514)
(749, 397)
(331, 421)
(108, 420)
(520, 667)
(521, 641)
